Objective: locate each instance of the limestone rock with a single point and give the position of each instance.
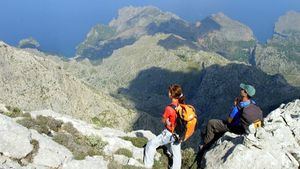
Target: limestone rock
(95, 162)
(15, 139)
(50, 154)
(277, 144)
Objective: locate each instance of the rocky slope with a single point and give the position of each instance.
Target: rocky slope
(49, 144)
(281, 54)
(32, 81)
(276, 145)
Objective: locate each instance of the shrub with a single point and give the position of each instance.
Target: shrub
(68, 127)
(188, 157)
(114, 165)
(162, 162)
(125, 152)
(80, 146)
(27, 122)
(13, 112)
(137, 141)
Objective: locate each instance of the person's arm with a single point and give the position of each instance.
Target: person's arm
(232, 114)
(165, 117)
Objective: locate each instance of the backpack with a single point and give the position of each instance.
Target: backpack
(186, 121)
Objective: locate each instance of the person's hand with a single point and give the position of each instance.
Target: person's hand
(168, 123)
(236, 101)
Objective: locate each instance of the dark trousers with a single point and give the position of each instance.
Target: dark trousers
(216, 128)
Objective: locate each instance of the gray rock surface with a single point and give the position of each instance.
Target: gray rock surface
(277, 144)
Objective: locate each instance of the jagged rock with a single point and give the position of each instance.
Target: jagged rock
(123, 160)
(15, 139)
(142, 133)
(6, 163)
(3, 109)
(276, 146)
(96, 162)
(50, 154)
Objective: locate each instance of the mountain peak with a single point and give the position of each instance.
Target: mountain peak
(290, 22)
(131, 16)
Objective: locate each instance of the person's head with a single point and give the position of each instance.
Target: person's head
(175, 92)
(247, 91)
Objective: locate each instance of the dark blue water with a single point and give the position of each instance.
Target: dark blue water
(60, 25)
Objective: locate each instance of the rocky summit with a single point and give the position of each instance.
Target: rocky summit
(274, 146)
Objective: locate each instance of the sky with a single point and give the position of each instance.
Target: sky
(60, 25)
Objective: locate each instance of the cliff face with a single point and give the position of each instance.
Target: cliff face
(281, 54)
(229, 38)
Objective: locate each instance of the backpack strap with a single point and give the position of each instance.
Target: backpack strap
(173, 106)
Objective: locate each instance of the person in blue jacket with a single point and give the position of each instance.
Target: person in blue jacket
(216, 127)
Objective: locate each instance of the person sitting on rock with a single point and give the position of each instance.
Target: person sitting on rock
(167, 137)
(244, 116)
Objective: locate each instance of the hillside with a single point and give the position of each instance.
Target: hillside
(129, 26)
(33, 81)
(230, 38)
(139, 75)
(216, 33)
(281, 54)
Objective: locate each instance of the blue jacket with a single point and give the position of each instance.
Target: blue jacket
(235, 114)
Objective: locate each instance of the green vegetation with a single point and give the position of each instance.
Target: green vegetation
(65, 134)
(114, 165)
(104, 119)
(137, 141)
(162, 162)
(231, 50)
(125, 152)
(81, 146)
(13, 112)
(288, 46)
(41, 123)
(188, 157)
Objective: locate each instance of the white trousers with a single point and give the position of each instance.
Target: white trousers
(164, 138)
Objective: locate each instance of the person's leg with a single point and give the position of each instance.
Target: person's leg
(214, 127)
(150, 149)
(176, 150)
